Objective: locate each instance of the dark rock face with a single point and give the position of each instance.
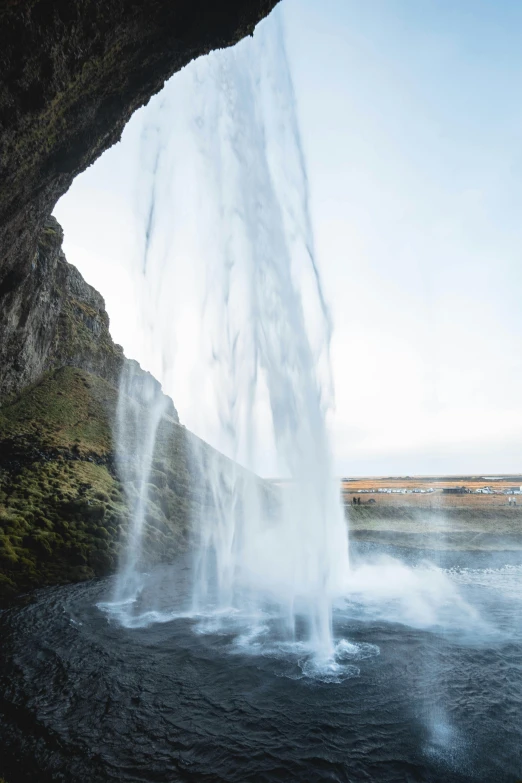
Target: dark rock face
(72, 73)
(52, 318)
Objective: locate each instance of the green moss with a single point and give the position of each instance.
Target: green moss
(67, 408)
(63, 512)
(54, 497)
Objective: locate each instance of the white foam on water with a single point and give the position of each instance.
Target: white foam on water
(259, 641)
(423, 596)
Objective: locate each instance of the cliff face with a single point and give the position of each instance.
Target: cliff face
(52, 319)
(73, 72)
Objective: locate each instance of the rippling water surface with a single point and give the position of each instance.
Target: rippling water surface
(427, 686)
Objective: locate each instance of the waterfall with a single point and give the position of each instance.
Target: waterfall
(141, 406)
(224, 208)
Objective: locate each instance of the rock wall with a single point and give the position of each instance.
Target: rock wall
(52, 318)
(72, 73)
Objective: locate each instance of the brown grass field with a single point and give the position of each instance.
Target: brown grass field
(436, 499)
(434, 521)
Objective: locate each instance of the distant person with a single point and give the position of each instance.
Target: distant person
(358, 501)
(354, 501)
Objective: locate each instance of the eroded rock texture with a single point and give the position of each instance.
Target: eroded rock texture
(52, 318)
(71, 74)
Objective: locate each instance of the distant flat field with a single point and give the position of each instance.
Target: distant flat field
(434, 520)
(436, 499)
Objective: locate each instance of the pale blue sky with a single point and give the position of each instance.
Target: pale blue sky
(412, 127)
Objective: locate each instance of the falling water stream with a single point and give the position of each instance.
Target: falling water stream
(237, 328)
(141, 406)
(265, 330)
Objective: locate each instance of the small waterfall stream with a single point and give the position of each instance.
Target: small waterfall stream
(225, 135)
(141, 406)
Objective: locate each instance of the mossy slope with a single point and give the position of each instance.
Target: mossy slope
(63, 511)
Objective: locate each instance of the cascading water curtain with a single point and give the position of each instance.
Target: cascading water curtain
(269, 331)
(229, 268)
